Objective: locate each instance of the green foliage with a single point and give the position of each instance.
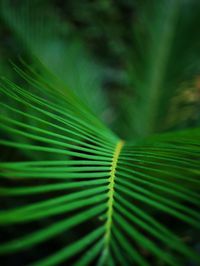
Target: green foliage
(76, 194)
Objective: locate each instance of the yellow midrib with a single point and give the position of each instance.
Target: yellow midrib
(118, 149)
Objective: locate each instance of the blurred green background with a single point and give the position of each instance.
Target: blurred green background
(111, 53)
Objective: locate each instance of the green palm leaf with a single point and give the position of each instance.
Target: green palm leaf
(116, 190)
(77, 188)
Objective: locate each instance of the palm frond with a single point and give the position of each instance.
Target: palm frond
(123, 194)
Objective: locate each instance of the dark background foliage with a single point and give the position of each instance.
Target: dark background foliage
(105, 29)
